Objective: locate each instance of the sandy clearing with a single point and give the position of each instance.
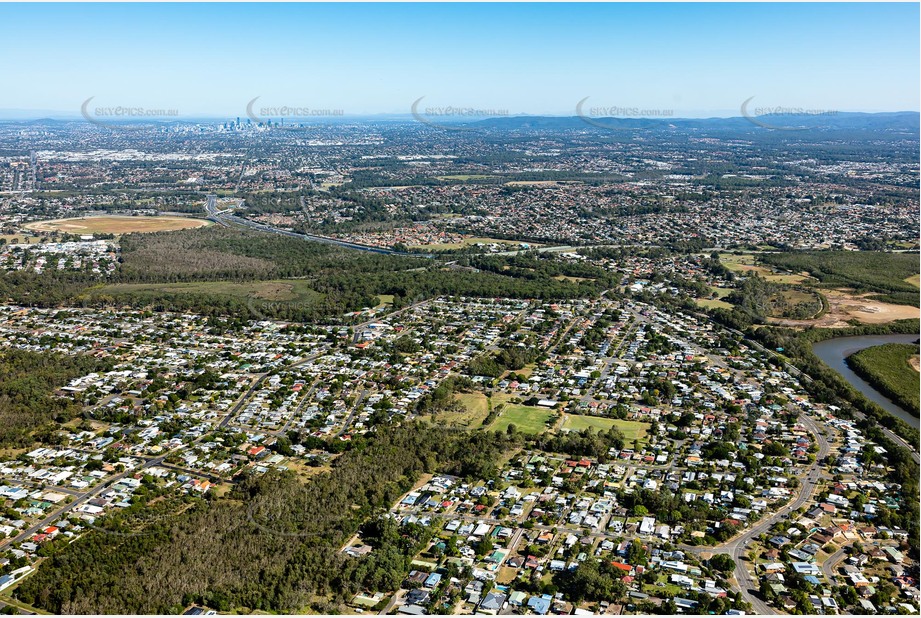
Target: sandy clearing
(116, 224)
(844, 305)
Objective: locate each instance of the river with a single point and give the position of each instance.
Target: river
(834, 351)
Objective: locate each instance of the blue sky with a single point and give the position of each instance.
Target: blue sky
(692, 59)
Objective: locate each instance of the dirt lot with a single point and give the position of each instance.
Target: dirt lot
(844, 305)
(116, 224)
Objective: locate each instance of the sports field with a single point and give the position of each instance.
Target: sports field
(632, 430)
(528, 419)
(117, 224)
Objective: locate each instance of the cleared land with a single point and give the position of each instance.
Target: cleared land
(888, 368)
(117, 224)
(632, 430)
(718, 302)
(528, 419)
(845, 305)
(796, 303)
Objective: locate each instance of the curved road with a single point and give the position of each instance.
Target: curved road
(736, 547)
(829, 564)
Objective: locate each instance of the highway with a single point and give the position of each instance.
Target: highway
(224, 218)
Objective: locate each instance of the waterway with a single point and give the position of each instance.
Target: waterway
(834, 351)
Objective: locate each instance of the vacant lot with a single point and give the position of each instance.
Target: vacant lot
(279, 290)
(795, 304)
(528, 419)
(747, 264)
(632, 430)
(888, 368)
(117, 224)
(844, 306)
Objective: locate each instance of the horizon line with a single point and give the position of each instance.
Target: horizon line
(34, 115)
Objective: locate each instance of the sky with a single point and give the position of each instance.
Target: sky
(685, 60)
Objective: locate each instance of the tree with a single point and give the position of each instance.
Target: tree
(722, 562)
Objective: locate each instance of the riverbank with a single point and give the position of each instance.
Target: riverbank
(888, 369)
(834, 382)
(834, 354)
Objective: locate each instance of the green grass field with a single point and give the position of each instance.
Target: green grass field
(747, 264)
(632, 430)
(712, 303)
(887, 368)
(528, 419)
(278, 290)
(475, 409)
(383, 300)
